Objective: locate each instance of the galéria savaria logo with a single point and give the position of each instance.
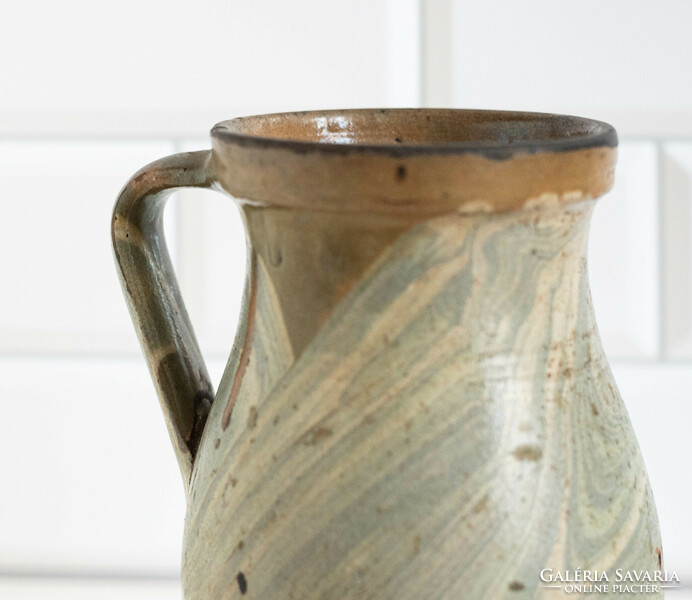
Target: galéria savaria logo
(620, 581)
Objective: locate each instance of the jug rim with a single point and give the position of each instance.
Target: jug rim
(350, 160)
(333, 132)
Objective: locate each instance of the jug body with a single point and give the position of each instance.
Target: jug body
(417, 404)
(451, 429)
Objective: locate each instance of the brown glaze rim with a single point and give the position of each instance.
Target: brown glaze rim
(596, 134)
(483, 161)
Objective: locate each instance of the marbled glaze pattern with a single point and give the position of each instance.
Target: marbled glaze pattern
(451, 430)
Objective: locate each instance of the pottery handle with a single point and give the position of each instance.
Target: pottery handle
(153, 297)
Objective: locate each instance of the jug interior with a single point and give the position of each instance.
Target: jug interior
(418, 127)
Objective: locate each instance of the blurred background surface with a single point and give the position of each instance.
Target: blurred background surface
(91, 502)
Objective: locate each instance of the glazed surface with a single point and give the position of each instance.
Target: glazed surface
(450, 428)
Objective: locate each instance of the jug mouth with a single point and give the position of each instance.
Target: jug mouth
(408, 131)
(418, 160)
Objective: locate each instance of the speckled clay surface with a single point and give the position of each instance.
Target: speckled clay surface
(417, 405)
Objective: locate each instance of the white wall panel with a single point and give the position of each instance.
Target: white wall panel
(26, 588)
(60, 287)
(558, 55)
(623, 256)
(436, 29)
(93, 481)
(617, 60)
(212, 263)
(212, 267)
(403, 52)
(207, 61)
(90, 482)
(676, 206)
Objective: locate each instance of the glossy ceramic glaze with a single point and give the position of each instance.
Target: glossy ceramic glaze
(417, 404)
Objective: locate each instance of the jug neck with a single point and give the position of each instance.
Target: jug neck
(492, 271)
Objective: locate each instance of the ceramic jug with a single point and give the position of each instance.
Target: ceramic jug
(417, 404)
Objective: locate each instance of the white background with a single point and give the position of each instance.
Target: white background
(91, 502)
